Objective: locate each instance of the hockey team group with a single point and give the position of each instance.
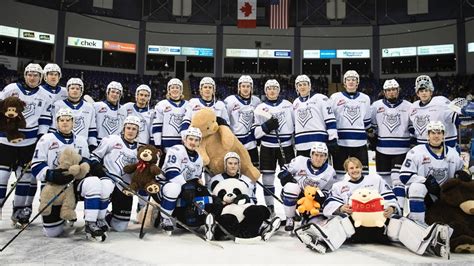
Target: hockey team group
(316, 140)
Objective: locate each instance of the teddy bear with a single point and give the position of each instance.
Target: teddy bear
(68, 159)
(12, 118)
(456, 208)
(217, 141)
(307, 204)
(367, 208)
(144, 171)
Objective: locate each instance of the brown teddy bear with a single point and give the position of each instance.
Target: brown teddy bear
(68, 159)
(144, 171)
(456, 208)
(307, 204)
(217, 141)
(12, 118)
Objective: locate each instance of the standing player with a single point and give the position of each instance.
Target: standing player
(240, 108)
(15, 154)
(52, 75)
(84, 114)
(303, 171)
(276, 134)
(106, 112)
(426, 168)
(391, 123)
(352, 111)
(315, 120)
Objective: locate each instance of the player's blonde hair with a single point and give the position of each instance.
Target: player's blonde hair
(353, 160)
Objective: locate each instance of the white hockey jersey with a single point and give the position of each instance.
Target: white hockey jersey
(179, 167)
(247, 180)
(305, 175)
(167, 123)
(107, 119)
(84, 119)
(283, 111)
(352, 117)
(342, 191)
(435, 110)
(48, 149)
(115, 153)
(392, 123)
(196, 104)
(37, 113)
(57, 93)
(241, 118)
(314, 121)
(146, 116)
(421, 161)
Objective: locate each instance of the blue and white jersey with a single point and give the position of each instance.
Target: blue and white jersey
(391, 122)
(306, 175)
(283, 111)
(115, 153)
(241, 118)
(84, 119)
(107, 118)
(37, 113)
(341, 193)
(421, 161)
(57, 93)
(314, 121)
(167, 123)
(49, 148)
(436, 110)
(146, 116)
(179, 167)
(196, 104)
(352, 114)
(247, 180)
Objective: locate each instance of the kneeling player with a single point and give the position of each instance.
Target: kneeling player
(332, 233)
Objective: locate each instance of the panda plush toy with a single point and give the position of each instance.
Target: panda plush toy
(239, 216)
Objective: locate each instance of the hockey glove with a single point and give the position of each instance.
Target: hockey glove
(97, 169)
(432, 186)
(463, 175)
(221, 121)
(372, 142)
(188, 191)
(332, 147)
(58, 177)
(270, 125)
(92, 148)
(286, 177)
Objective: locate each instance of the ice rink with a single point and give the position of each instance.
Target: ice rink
(31, 247)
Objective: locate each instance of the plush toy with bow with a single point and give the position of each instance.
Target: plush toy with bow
(145, 170)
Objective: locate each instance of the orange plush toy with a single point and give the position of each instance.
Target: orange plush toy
(307, 204)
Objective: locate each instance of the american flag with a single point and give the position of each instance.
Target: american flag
(279, 14)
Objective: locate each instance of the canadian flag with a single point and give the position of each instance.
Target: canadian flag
(246, 13)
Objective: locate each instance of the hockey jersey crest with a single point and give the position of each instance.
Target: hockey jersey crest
(241, 118)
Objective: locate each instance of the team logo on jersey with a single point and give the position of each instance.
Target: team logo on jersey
(236, 107)
(175, 121)
(29, 110)
(438, 173)
(391, 121)
(281, 119)
(341, 102)
(111, 124)
(304, 115)
(124, 159)
(102, 110)
(196, 108)
(344, 189)
(302, 173)
(167, 109)
(246, 118)
(184, 160)
(426, 160)
(79, 125)
(381, 110)
(117, 146)
(53, 145)
(309, 182)
(421, 121)
(351, 113)
(188, 172)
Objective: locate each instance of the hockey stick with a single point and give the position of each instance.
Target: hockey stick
(269, 192)
(36, 216)
(268, 115)
(13, 186)
(142, 234)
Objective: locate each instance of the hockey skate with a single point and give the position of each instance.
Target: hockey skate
(289, 225)
(210, 227)
(21, 216)
(167, 225)
(94, 232)
(440, 243)
(310, 236)
(102, 223)
(270, 227)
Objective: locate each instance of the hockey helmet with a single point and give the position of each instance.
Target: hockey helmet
(435, 126)
(134, 120)
(351, 74)
(75, 81)
(175, 81)
(143, 87)
(272, 83)
(302, 78)
(51, 67)
(191, 131)
(64, 112)
(319, 147)
(229, 155)
(207, 80)
(423, 82)
(390, 84)
(116, 86)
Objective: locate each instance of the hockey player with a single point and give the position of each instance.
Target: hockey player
(44, 165)
(240, 108)
(303, 171)
(352, 111)
(142, 110)
(391, 136)
(332, 233)
(113, 153)
(106, 112)
(169, 114)
(15, 154)
(430, 108)
(84, 114)
(207, 91)
(315, 120)
(275, 133)
(426, 168)
(52, 75)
